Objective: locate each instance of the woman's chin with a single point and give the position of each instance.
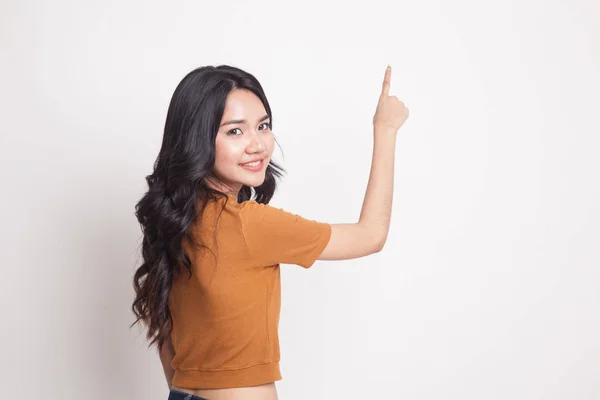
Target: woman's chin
(254, 182)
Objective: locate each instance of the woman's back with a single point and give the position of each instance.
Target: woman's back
(225, 316)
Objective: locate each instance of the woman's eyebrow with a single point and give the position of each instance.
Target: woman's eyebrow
(242, 121)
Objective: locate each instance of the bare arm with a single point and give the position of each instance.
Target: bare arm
(166, 356)
(369, 234)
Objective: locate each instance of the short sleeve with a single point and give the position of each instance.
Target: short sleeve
(276, 236)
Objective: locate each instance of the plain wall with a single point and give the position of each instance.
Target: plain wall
(489, 284)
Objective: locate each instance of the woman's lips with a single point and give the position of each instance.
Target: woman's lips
(254, 168)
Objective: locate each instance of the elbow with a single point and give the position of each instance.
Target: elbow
(379, 245)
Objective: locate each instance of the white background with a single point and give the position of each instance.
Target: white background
(489, 284)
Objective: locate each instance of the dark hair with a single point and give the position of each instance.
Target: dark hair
(178, 191)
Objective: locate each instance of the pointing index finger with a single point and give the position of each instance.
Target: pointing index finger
(386, 81)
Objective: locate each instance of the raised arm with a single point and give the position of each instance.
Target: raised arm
(369, 234)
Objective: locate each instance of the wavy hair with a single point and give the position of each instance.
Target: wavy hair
(178, 188)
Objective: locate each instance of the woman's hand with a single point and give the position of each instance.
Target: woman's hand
(391, 112)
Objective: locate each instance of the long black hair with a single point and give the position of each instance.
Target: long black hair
(178, 189)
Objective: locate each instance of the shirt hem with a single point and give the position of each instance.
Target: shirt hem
(319, 247)
(251, 376)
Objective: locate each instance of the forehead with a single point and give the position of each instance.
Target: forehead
(242, 103)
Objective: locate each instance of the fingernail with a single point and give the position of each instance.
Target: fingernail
(389, 66)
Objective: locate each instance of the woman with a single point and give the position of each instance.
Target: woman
(209, 287)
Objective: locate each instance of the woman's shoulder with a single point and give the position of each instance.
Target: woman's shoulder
(247, 208)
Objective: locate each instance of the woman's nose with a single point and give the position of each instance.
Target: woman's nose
(256, 143)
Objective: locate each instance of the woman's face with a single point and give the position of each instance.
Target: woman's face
(244, 136)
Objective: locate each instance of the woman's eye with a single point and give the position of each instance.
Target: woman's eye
(267, 125)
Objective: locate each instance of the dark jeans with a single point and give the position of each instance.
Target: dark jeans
(177, 395)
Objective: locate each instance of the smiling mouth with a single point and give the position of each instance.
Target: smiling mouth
(254, 166)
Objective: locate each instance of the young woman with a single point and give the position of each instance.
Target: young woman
(208, 289)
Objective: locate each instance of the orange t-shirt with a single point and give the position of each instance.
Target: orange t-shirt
(226, 316)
